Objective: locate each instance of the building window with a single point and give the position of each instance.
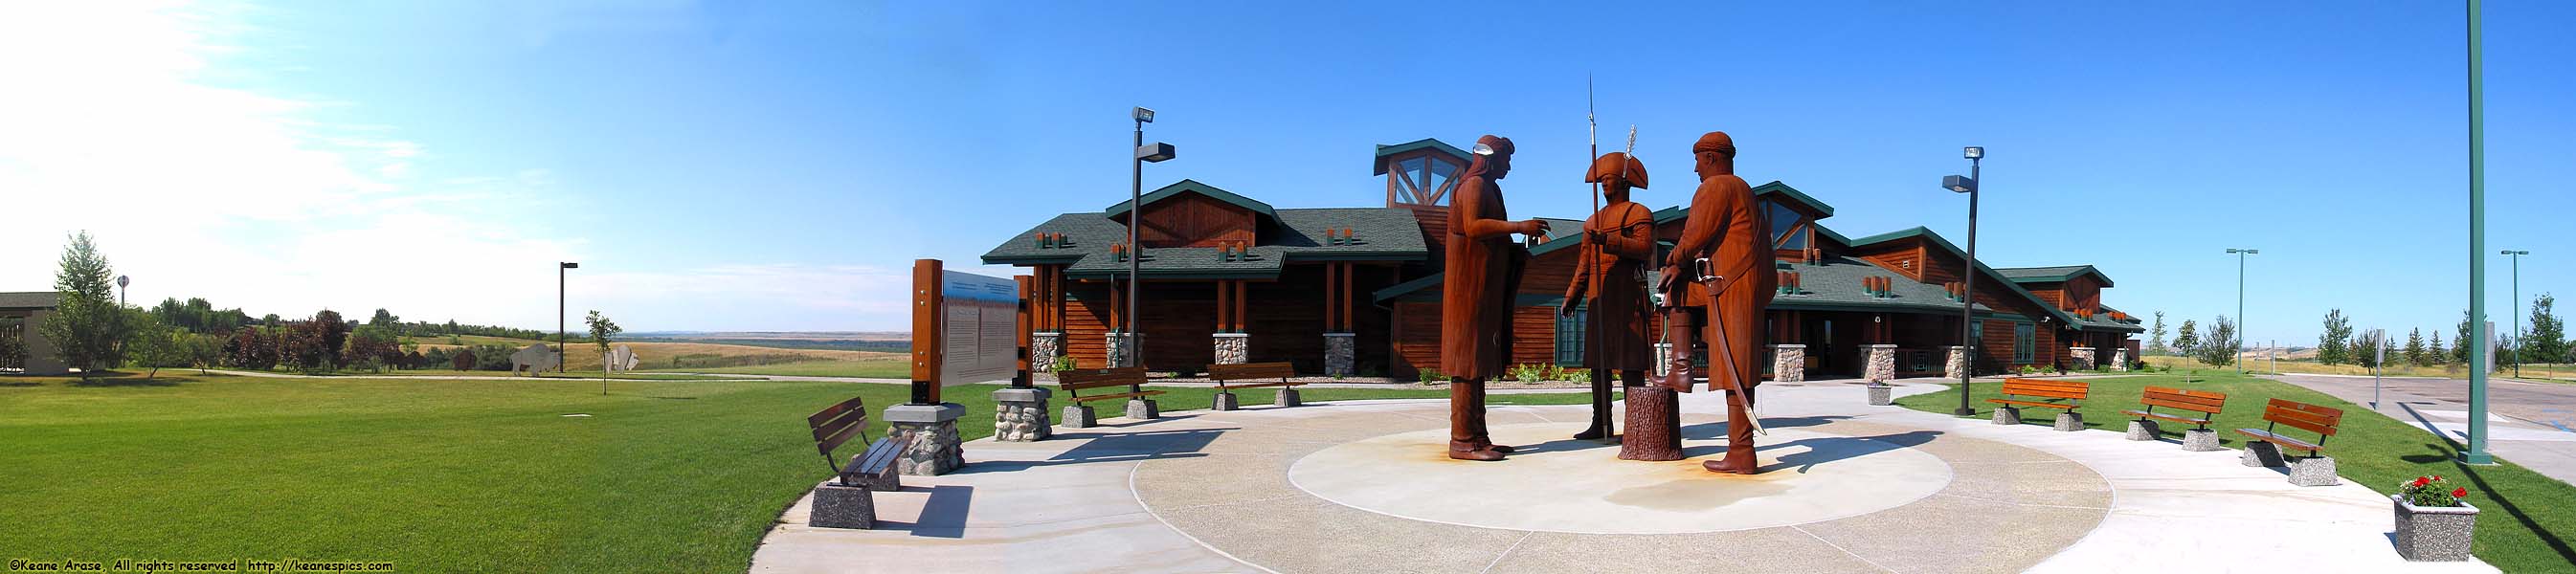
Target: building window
(1569, 337)
(2023, 342)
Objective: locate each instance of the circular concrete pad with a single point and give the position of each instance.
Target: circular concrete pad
(1555, 484)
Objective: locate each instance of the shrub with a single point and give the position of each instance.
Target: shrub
(463, 360)
(253, 348)
(1430, 376)
(1062, 364)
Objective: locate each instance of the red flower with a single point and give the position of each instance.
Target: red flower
(2421, 481)
(2462, 492)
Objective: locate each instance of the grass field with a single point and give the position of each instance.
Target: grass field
(2529, 371)
(892, 367)
(436, 475)
(2527, 520)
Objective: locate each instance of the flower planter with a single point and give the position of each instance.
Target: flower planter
(2439, 533)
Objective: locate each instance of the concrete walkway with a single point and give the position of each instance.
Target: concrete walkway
(2532, 424)
(1288, 490)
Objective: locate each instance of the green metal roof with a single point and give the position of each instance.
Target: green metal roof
(1384, 150)
(2058, 274)
(1822, 210)
(2103, 322)
(1935, 239)
(1193, 186)
(1385, 234)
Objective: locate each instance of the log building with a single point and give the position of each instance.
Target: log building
(1356, 291)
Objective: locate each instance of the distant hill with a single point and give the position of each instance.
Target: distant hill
(876, 341)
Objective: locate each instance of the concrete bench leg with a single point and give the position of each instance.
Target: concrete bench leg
(2007, 415)
(2068, 421)
(1288, 397)
(1882, 395)
(2144, 430)
(2314, 471)
(2260, 453)
(1225, 401)
(1143, 409)
(837, 506)
(2200, 440)
(1080, 417)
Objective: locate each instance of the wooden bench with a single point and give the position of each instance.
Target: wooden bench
(2314, 470)
(2048, 392)
(1227, 375)
(848, 501)
(1074, 382)
(2203, 406)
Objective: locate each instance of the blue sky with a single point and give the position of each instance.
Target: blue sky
(776, 166)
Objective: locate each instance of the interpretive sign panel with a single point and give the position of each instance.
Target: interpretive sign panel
(965, 329)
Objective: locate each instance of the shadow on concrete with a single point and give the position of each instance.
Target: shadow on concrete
(943, 516)
(1717, 430)
(1104, 447)
(1822, 450)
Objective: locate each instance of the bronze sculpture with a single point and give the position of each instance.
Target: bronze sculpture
(1618, 242)
(1722, 263)
(1483, 271)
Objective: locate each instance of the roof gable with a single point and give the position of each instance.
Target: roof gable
(1794, 196)
(1388, 151)
(1935, 239)
(2058, 274)
(1119, 210)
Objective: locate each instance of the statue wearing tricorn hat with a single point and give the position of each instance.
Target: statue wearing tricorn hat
(1617, 247)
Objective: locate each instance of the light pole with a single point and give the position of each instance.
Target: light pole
(560, 270)
(2517, 309)
(2240, 303)
(1968, 285)
(1135, 218)
(2479, 359)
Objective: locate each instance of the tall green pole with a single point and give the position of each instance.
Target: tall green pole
(2479, 357)
(2517, 315)
(2240, 310)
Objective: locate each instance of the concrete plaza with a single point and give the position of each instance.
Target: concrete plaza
(1360, 486)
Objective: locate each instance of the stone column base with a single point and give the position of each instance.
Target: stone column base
(933, 447)
(2144, 430)
(1881, 365)
(2260, 453)
(1044, 347)
(2314, 471)
(1340, 354)
(1020, 415)
(2069, 421)
(1080, 417)
(1881, 395)
(1654, 425)
(1663, 362)
(2120, 360)
(1955, 365)
(1143, 409)
(1232, 348)
(837, 506)
(2079, 358)
(1116, 347)
(1225, 401)
(1788, 363)
(2007, 415)
(1287, 398)
(2200, 440)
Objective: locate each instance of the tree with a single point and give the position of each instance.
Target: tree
(154, 345)
(335, 335)
(204, 351)
(385, 319)
(373, 347)
(270, 321)
(2546, 340)
(2187, 340)
(87, 327)
(2415, 348)
(2466, 343)
(2334, 345)
(601, 329)
(2219, 348)
(252, 348)
(2366, 347)
(2156, 344)
(2437, 354)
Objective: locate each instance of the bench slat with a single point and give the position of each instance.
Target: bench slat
(2032, 403)
(1099, 384)
(2183, 420)
(1117, 396)
(1234, 372)
(2041, 393)
(2268, 436)
(826, 444)
(857, 417)
(2303, 420)
(828, 413)
(1094, 375)
(1260, 385)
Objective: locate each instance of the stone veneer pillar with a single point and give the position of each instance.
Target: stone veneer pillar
(1663, 360)
(2120, 359)
(1789, 363)
(932, 448)
(1116, 348)
(1956, 365)
(1231, 348)
(1340, 354)
(1882, 364)
(2079, 358)
(1044, 347)
(1020, 415)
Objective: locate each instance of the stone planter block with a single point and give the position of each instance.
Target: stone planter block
(1881, 395)
(933, 448)
(2261, 454)
(2200, 440)
(1020, 415)
(2143, 430)
(2314, 471)
(2068, 421)
(2007, 415)
(837, 506)
(1080, 417)
(1288, 397)
(1143, 409)
(1224, 402)
(2428, 534)
(1788, 363)
(1340, 352)
(1232, 348)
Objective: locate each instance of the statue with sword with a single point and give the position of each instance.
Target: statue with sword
(1719, 274)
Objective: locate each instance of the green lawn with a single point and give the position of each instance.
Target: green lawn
(869, 368)
(2527, 519)
(437, 475)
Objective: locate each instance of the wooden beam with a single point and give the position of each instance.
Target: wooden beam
(1242, 321)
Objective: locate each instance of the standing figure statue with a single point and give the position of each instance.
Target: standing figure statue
(1610, 274)
(1723, 263)
(1482, 274)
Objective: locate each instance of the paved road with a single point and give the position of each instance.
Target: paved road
(2531, 424)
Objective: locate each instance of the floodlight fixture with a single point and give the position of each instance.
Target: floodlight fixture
(1959, 183)
(1155, 152)
(1974, 152)
(1144, 116)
